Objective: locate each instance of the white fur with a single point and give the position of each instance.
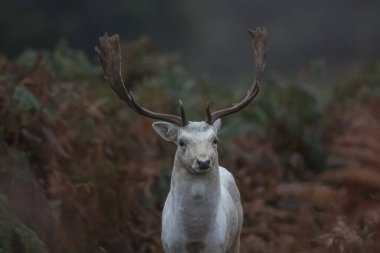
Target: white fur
(202, 213)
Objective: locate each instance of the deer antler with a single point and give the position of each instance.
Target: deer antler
(259, 43)
(110, 58)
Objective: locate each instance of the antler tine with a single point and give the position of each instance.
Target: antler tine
(183, 117)
(110, 58)
(259, 43)
(208, 114)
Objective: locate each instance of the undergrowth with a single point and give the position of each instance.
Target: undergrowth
(81, 173)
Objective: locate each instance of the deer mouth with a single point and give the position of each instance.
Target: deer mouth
(198, 171)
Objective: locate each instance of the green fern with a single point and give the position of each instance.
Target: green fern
(16, 236)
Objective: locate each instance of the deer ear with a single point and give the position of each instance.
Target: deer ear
(166, 130)
(217, 124)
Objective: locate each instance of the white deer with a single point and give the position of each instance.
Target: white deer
(203, 212)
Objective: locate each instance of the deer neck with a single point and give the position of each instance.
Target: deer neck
(189, 187)
(195, 199)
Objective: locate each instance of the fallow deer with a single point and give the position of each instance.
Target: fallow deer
(202, 212)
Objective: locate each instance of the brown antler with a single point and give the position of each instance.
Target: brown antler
(110, 58)
(259, 43)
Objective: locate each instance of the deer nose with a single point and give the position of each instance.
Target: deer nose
(203, 164)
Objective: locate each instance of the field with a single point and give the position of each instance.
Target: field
(80, 172)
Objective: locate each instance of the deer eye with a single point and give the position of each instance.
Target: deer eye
(215, 141)
(181, 143)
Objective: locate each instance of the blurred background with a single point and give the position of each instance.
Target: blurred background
(79, 172)
(211, 37)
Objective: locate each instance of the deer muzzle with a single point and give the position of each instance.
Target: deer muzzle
(202, 164)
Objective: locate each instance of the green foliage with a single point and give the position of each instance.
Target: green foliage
(16, 162)
(290, 117)
(25, 102)
(365, 83)
(374, 77)
(16, 236)
(66, 63)
(28, 58)
(159, 191)
(69, 64)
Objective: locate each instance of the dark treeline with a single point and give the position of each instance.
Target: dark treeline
(210, 35)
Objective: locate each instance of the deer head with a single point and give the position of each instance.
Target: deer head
(196, 141)
(196, 144)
